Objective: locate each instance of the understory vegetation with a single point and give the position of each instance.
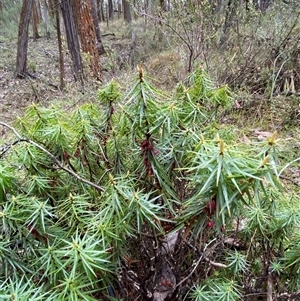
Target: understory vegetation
(138, 194)
(174, 179)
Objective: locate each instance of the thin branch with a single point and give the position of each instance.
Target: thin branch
(143, 14)
(216, 264)
(213, 263)
(192, 272)
(12, 129)
(54, 159)
(7, 147)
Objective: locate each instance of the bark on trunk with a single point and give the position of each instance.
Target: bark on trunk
(119, 9)
(110, 10)
(72, 39)
(97, 28)
(100, 10)
(21, 67)
(44, 12)
(126, 10)
(60, 51)
(50, 4)
(35, 21)
(83, 16)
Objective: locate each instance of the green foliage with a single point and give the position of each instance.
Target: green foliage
(217, 289)
(237, 263)
(97, 189)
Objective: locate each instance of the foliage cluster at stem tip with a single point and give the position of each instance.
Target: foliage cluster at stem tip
(83, 192)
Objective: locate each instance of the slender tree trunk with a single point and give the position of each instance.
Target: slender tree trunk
(21, 67)
(50, 4)
(126, 10)
(146, 5)
(83, 16)
(44, 12)
(35, 21)
(135, 4)
(97, 28)
(119, 8)
(72, 39)
(60, 50)
(110, 10)
(100, 11)
(231, 14)
(107, 17)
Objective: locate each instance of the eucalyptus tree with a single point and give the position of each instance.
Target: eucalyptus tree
(85, 26)
(72, 39)
(126, 11)
(73, 12)
(21, 65)
(100, 46)
(36, 19)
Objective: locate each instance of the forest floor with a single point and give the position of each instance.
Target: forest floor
(42, 86)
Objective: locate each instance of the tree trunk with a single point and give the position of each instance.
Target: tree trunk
(119, 8)
(35, 21)
(110, 10)
(126, 10)
(44, 12)
(50, 5)
(21, 67)
(231, 14)
(60, 49)
(72, 39)
(100, 10)
(85, 25)
(97, 28)
(135, 5)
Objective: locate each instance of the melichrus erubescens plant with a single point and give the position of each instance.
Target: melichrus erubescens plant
(139, 196)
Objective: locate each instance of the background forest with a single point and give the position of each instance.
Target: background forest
(149, 150)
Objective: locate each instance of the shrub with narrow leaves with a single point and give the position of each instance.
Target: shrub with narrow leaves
(139, 196)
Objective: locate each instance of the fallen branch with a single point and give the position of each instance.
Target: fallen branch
(108, 34)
